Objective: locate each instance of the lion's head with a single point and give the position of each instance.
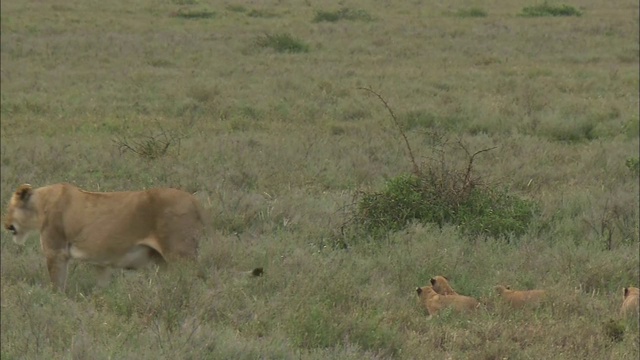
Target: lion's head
(22, 216)
(441, 285)
(501, 289)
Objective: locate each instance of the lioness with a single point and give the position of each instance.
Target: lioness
(111, 230)
(441, 285)
(434, 302)
(630, 302)
(522, 298)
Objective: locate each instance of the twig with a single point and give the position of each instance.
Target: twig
(467, 175)
(416, 168)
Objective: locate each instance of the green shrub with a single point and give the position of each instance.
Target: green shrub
(342, 14)
(472, 12)
(282, 43)
(546, 9)
(391, 209)
(491, 213)
(478, 211)
(438, 193)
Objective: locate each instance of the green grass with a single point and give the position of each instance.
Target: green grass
(282, 43)
(194, 14)
(546, 9)
(278, 145)
(471, 12)
(261, 13)
(341, 14)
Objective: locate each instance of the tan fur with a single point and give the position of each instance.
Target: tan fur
(111, 230)
(631, 301)
(521, 298)
(434, 302)
(441, 285)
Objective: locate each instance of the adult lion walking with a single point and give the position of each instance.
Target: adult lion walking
(111, 230)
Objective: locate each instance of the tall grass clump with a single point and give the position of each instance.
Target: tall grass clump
(282, 43)
(439, 193)
(150, 147)
(260, 13)
(194, 14)
(342, 14)
(471, 12)
(236, 8)
(546, 9)
(571, 130)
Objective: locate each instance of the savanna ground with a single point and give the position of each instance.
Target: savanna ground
(257, 107)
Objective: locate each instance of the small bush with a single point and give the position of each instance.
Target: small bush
(494, 213)
(342, 14)
(472, 12)
(282, 43)
(401, 201)
(546, 9)
(194, 14)
(433, 199)
(149, 147)
(437, 193)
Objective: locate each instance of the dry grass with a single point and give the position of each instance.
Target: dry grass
(276, 144)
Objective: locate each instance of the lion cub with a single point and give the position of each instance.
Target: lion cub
(441, 285)
(434, 302)
(630, 303)
(521, 298)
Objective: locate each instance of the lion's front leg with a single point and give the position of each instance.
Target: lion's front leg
(57, 263)
(56, 251)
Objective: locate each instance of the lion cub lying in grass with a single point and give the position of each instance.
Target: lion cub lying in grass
(521, 298)
(630, 301)
(434, 302)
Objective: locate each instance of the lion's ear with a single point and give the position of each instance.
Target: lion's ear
(24, 192)
(626, 292)
(433, 281)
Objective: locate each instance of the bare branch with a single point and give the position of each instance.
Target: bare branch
(416, 168)
(467, 175)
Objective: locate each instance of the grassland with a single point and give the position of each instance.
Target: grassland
(256, 107)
